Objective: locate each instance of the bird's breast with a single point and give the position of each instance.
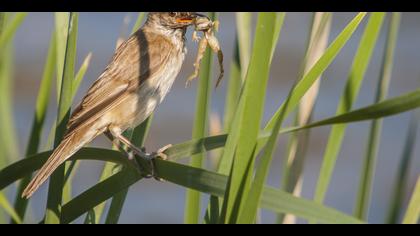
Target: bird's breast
(152, 92)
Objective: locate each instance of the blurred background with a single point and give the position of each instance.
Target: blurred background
(155, 202)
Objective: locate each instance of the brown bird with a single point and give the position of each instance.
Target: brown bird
(136, 80)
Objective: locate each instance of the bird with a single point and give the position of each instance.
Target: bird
(136, 80)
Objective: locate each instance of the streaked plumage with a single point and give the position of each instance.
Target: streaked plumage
(136, 80)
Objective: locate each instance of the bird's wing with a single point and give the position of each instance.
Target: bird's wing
(138, 59)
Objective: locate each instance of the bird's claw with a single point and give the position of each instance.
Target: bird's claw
(151, 157)
(161, 155)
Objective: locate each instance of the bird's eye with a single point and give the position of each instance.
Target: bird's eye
(172, 14)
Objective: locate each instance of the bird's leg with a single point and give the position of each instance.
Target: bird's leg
(115, 142)
(130, 153)
(159, 154)
(141, 152)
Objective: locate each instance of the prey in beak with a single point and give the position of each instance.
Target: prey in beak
(185, 20)
(189, 18)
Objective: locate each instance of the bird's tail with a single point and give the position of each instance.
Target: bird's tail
(68, 146)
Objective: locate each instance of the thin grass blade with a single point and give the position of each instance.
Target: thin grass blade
(234, 88)
(200, 130)
(61, 30)
(55, 190)
(388, 107)
(2, 148)
(320, 66)
(360, 64)
(9, 27)
(412, 215)
(81, 74)
(248, 213)
(41, 108)
(298, 142)
(138, 22)
(250, 112)
(8, 208)
(9, 145)
(239, 65)
(400, 185)
(243, 31)
(368, 168)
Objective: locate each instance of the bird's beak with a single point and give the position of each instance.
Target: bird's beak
(189, 19)
(184, 20)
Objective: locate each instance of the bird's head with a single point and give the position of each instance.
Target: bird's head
(173, 20)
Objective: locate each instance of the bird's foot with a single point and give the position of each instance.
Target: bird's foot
(161, 155)
(151, 157)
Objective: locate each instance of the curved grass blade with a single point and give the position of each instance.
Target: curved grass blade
(72, 167)
(26, 166)
(81, 74)
(234, 88)
(138, 22)
(239, 65)
(90, 218)
(55, 190)
(278, 201)
(2, 20)
(9, 30)
(400, 185)
(278, 25)
(108, 170)
(191, 177)
(320, 66)
(313, 74)
(41, 108)
(61, 29)
(360, 64)
(292, 178)
(243, 31)
(412, 215)
(201, 117)
(206, 182)
(388, 107)
(368, 168)
(7, 207)
(8, 140)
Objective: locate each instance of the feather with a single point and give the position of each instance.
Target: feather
(70, 145)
